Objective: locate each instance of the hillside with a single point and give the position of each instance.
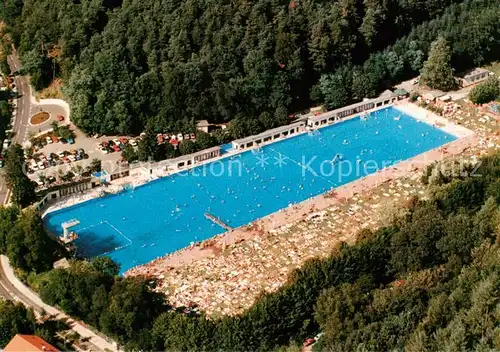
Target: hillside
(168, 63)
(428, 281)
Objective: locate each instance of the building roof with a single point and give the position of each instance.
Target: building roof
(187, 157)
(28, 343)
(387, 94)
(202, 123)
(61, 263)
(400, 91)
(268, 133)
(429, 96)
(445, 98)
(474, 72)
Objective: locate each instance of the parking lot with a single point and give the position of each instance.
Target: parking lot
(53, 160)
(60, 158)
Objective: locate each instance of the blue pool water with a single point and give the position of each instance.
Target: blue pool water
(136, 226)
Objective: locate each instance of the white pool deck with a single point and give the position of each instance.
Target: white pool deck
(430, 118)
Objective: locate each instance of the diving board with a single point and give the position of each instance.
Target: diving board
(66, 226)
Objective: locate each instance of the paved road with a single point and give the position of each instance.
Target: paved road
(13, 289)
(9, 292)
(21, 118)
(26, 107)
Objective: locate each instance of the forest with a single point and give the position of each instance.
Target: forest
(427, 281)
(127, 65)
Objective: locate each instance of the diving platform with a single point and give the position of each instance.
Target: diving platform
(69, 236)
(218, 221)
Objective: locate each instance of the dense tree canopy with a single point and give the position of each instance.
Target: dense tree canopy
(14, 319)
(23, 189)
(24, 240)
(5, 112)
(122, 308)
(169, 63)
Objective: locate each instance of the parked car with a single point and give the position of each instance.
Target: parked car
(1, 163)
(49, 140)
(116, 148)
(103, 147)
(6, 144)
(61, 154)
(54, 139)
(318, 336)
(71, 141)
(63, 140)
(308, 342)
(132, 142)
(60, 118)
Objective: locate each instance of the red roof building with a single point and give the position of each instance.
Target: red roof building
(28, 343)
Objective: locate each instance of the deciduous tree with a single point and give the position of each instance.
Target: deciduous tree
(23, 189)
(437, 71)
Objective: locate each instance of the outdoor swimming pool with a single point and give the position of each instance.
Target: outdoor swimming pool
(136, 226)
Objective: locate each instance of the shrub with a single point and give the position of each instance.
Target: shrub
(485, 92)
